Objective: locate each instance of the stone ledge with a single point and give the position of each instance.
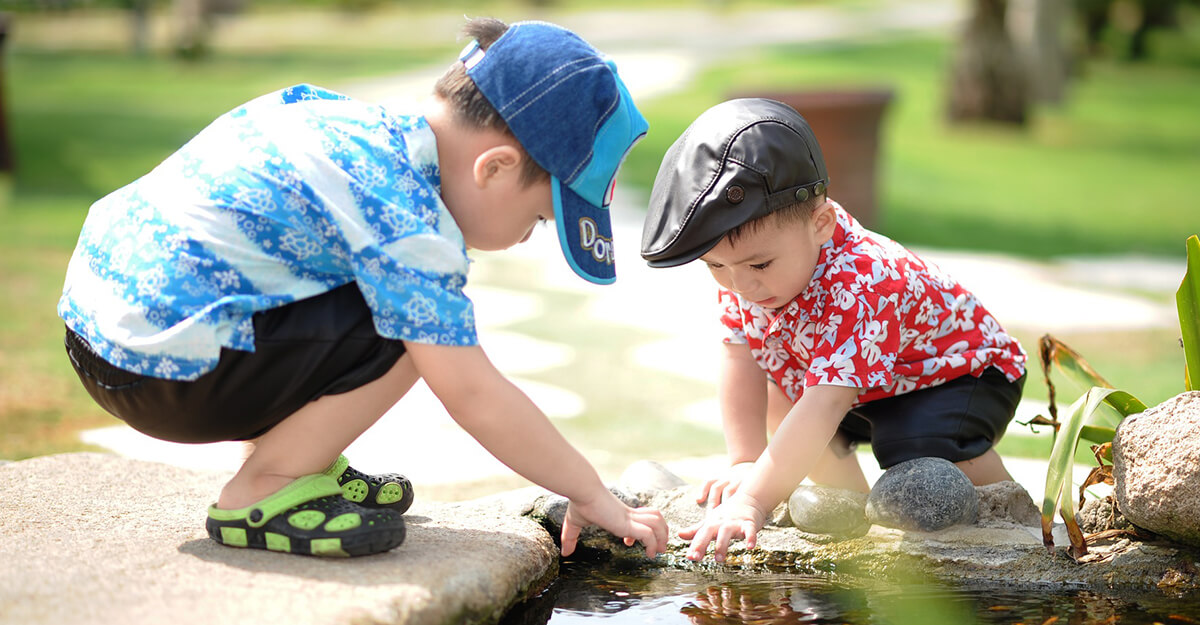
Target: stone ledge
(998, 552)
(102, 539)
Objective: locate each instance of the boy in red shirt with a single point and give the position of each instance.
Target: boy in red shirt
(858, 338)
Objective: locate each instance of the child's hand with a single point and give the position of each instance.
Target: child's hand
(733, 519)
(631, 524)
(719, 489)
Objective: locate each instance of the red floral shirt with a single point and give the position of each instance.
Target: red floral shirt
(874, 316)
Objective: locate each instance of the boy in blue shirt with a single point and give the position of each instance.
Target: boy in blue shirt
(287, 276)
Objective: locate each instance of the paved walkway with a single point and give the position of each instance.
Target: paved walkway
(1046, 297)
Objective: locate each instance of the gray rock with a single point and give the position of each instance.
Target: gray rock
(648, 476)
(125, 541)
(923, 494)
(1098, 515)
(825, 510)
(1007, 502)
(1156, 468)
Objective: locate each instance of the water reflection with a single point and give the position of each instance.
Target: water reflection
(770, 602)
(587, 591)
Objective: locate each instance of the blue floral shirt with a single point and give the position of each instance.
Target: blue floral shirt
(284, 198)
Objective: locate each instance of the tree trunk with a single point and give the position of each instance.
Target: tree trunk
(139, 12)
(988, 80)
(193, 25)
(1048, 65)
(7, 163)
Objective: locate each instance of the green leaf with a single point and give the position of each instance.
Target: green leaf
(1187, 300)
(1097, 434)
(1058, 493)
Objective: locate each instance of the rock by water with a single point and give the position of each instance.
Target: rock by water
(1156, 468)
(924, 494)
(824, 510)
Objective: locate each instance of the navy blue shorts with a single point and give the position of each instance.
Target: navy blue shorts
(323, 345)
(958, 420)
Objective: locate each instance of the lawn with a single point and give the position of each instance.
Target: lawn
(1112, 171)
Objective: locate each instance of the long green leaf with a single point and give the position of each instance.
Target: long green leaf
(1097, 434)
(1059, 469)
(1188, 301)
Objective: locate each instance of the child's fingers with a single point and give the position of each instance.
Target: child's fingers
(569, 536)
(716, 494)
(703, 496)
(650, 542)
(700, 542)
(751, 534)
(688, 533)
(657, 525)
(725, 535)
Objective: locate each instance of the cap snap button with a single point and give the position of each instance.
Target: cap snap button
(801, 194)
(735, 194)
(819, 189)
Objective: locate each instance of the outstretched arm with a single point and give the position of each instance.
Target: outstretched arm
(512, 428)
(791, 455)
(743, 396)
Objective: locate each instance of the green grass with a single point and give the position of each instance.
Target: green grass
(1113, 171)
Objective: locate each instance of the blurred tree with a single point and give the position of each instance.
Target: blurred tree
(194, 21)
(988, 80)
(139, 11)
(6, 157)
(1039, 31)
(1136, 19)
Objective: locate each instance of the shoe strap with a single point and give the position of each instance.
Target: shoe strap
(300, 491)
(338, 467)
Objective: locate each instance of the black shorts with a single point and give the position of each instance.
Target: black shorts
(323, 345)
(958, 420)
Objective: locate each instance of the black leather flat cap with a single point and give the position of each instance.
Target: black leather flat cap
(740, 160)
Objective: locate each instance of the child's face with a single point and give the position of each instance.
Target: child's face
(483, 191)
(505, 215)
(773, 264)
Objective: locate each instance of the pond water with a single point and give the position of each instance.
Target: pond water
(586, 591)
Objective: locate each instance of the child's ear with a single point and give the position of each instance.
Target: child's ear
(824, 220)
(496, 163)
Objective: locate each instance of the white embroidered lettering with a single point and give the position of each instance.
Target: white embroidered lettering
(590, 239)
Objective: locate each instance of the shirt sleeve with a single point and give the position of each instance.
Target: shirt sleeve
(858, 337)
(731, 318)
(406, 252)
(414, 304)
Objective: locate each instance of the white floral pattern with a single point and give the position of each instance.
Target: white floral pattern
(874, 316)
(284, 198)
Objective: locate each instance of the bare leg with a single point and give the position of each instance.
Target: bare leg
(986, 468)
(310, 440)
(837, 467)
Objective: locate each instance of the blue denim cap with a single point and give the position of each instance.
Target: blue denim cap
(566, 105)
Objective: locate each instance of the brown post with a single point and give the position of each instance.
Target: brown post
(847, 124)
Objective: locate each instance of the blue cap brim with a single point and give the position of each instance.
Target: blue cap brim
(585, 234)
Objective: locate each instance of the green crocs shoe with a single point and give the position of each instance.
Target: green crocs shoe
(390, 490)
(310, 517)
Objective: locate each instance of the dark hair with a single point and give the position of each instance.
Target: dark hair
(797, 211)
(469, 105)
